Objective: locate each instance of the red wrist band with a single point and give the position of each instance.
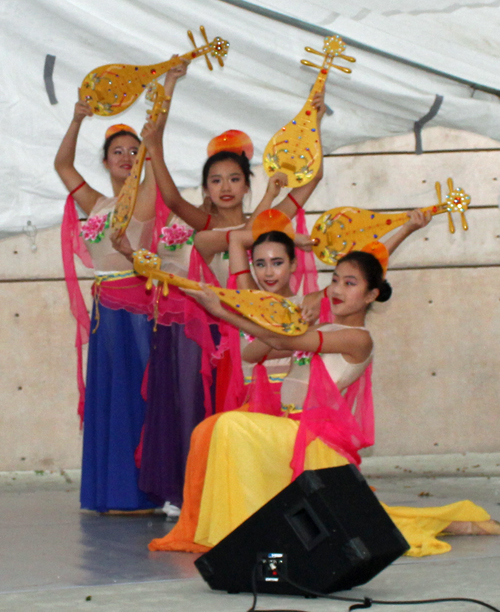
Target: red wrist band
(77, 188)
(227, 235)
(148, 158)
(324, 291)
(320, 342)
(247, 271)
(294, 200)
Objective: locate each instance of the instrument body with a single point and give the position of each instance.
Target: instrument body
(112, 88)
(268, 310)
(296, 148)
(342, 230)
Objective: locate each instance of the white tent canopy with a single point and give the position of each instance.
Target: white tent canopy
(403, 48)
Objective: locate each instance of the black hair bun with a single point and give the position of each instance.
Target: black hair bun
(385, 292)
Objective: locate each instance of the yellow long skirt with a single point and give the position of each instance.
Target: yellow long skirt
(248, 464)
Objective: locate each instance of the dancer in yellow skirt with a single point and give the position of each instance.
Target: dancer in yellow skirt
(250, 457)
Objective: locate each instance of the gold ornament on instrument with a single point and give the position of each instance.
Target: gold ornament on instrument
(296, 148)
(345, 229)
(268, 310)
(456, 201)
(112, 88)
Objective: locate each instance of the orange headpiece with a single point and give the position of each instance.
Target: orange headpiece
(119, 127)
(234, 141)
(378, 250)
(272, 220)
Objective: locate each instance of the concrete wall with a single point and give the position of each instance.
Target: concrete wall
(436, 379)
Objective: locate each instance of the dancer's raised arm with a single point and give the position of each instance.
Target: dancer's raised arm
(64, 162)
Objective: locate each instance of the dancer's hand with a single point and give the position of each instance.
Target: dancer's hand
(417, 220)
(206, 298)
(318, 103)
(304, 242)
(82, 110)
(121, 243)
(275, 184)
(152, 136)
(178, 71)
(310, 308)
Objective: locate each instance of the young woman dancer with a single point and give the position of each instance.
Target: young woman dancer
(274, 265)
(119, 341)
(250, 457)
(175, 388)
(348, 348)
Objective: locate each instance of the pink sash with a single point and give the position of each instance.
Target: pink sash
(306, 273)
(343, 422)
(71, 245)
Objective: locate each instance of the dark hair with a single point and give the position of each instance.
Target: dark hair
(109, 140)
(241, 160)
(280, 238)
(372, 272)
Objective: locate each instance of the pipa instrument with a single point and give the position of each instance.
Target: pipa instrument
(112, 88)
(296, 148)
(268, 310)
(341, 230)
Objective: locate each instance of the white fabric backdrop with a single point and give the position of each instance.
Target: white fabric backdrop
(261, 87)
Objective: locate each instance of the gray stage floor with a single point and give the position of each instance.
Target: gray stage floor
(54, 557)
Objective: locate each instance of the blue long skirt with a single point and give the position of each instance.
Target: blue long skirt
(114, 411)
(175, 406)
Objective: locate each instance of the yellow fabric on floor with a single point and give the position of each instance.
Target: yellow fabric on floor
(248, 464)
(420, 526)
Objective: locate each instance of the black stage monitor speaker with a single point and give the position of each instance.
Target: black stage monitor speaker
(326, 531)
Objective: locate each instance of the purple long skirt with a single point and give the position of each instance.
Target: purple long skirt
(175, 405)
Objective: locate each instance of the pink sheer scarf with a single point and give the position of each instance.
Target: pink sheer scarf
(263, 395)
(71, 245)
(326, 314)
(343, 422)
(129, 293)
(233, 385)
(162, 213)
(306, 274)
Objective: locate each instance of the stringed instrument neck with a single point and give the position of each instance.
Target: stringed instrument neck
(159, 69)
(127, 197)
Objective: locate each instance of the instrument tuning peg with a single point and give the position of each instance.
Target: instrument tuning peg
(204, 34)
(348, 58)
(451, 225)
(342, 68)
(311, 50)
(438, 192)
(308, 63)
(191, 38)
